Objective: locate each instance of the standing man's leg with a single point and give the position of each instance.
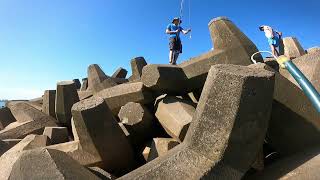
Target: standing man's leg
(176, 56)
(171, 56)
(274, 50)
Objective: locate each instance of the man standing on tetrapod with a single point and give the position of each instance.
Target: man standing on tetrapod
(175, 44)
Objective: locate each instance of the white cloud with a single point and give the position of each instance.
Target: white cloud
(20, 93)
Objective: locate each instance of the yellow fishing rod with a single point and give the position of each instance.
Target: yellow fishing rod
(308, 89)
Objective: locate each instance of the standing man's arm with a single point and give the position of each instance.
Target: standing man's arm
(279, 33)
(168, 31)
(186, 31)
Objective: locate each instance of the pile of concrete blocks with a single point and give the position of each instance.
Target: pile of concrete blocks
(215, 116)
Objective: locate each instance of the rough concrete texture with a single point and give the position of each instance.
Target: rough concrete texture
(98, 80)
(227, 130)
(137, 119)
(84, 94)
(66, 96)
(118, 96)
(120, 73)
(160, 147)
(6, 117)
(165, 78)
(297, 167)
(78, 83)
(84, 84)
(56, 135)
(49, 103)
(231, 46)
(8, 159)
(292, 48)
(294, 124)
(99, 134)
(48, 164)
(137, 65)
(313, 50)
(102, 174)
(309, 65)
(175, 116)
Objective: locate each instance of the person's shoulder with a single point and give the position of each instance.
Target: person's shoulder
(169, 26)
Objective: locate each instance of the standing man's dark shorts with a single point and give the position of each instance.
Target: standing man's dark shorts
(175, 44)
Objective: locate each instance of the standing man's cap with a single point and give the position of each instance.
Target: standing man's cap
(176, 19)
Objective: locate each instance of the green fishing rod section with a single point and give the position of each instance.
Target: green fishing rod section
(301, 79)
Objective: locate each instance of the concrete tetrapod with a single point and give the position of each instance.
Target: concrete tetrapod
(160, 147)
(292, 48)
(84, 84)
(231, 46)
(66, 97)
(56, 135)
(309, 64)
(294, 124)
(99, 134)
(227, 130)
(8, 159)
(118, 96)
(120, 73)
(49, 103)
(137, 65)
(48, 164)
(36, 123)
(175, 116)
(6, 117)
(98, 80)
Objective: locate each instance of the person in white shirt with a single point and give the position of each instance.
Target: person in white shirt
(273, 37)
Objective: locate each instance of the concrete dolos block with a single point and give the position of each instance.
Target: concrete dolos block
(227, 131)
(66, 96)
(118, 96)
(294, 124)
(56, 135)
(49, 103)
(231, 46)
(175, 116)
(84, 84)
(98, 80)
(292, 48)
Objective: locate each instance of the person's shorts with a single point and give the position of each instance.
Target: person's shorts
(175, 45)
(275, 41)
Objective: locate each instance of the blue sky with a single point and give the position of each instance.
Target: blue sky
(45, 41)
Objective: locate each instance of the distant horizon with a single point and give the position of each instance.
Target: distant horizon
(44, 42)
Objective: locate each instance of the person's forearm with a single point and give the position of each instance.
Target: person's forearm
(170, 32)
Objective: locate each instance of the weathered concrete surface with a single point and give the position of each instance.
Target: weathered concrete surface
(165, 78)
(31, 121)
(77, 82)
(120, 73)
(137, 119)
(160, 147)
(84, 94)
(8, 159)
(99, 134)
(227, 130)
(66, 97)
(231, 46)
(56, 135)
(297, 167)
(313, 50)
(84, 84)
(118, 96)
(309, 64)
(175, 116)
(49, 103)
(48, 164)
(6, 117)
(294, 124)
(102, 174)
(137, 65)
(292, 48)
(98, 80)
